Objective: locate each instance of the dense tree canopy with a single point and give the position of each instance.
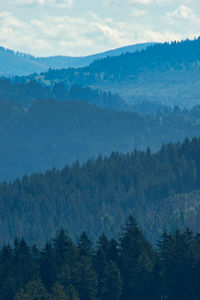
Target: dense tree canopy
(98, 195)
(131, 269)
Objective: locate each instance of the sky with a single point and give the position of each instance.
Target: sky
(83, 27)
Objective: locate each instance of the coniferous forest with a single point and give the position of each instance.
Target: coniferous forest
(124, 268)
(99, 195)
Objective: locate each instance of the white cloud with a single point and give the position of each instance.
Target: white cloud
(139, 1)
(184, 17)
(146, 2)
(183, 12)
(135, 2)
(61, 35)
(138, 12)
(44, 33)
(61, 3)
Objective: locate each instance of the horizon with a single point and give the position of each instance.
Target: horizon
(96, 53)
(45, 28)
(92, 54)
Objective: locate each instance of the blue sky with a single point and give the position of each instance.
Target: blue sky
(81, 27)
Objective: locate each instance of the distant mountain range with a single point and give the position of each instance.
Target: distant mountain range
(166, 73)
(16, 63)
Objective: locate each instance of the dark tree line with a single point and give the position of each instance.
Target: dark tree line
(125, 268)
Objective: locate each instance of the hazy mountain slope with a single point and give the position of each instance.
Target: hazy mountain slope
(58, 62)
(53, 133)
(166, 73)
(20, 64)
(27, 92)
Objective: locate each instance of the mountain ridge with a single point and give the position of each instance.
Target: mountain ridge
(167, 73)
(21, 64)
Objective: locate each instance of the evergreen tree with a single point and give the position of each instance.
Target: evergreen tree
(133, 246)
(111, 282)
(72, 293)
(34, 290)
(48, 266)
(85, 279)
(24, 268)
(7, 276)
(58, 293)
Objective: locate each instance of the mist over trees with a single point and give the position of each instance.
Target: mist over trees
(52, 133)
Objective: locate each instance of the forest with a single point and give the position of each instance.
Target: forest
(27, 92)
(99, 195)
(53, 133)
(16, 63)
(163, 57)
(122, 268)
(166, 73)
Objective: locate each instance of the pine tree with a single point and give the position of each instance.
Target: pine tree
(7, 276)
(58, 292)
(132, 246)
(34, 290)
(48, 266)
(72, 293)
(111, 282)
(85, 279)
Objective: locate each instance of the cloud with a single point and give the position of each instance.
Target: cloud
(138, 2)
(88, 34)
(184, 16)
(61, 34)
(119, 3)
(138, 12)
(183, 12)
(60, 3)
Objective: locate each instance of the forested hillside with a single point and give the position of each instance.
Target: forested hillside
(52, 133)
(160, 57)
(125, 268)
(21, 64)
(166, 73)
(25, 93)
(97, 196)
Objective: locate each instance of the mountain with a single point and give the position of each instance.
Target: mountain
(27, 92)
(166, 73)
(52, 133)
(160, 190)
(16, 63)
(57, 62)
